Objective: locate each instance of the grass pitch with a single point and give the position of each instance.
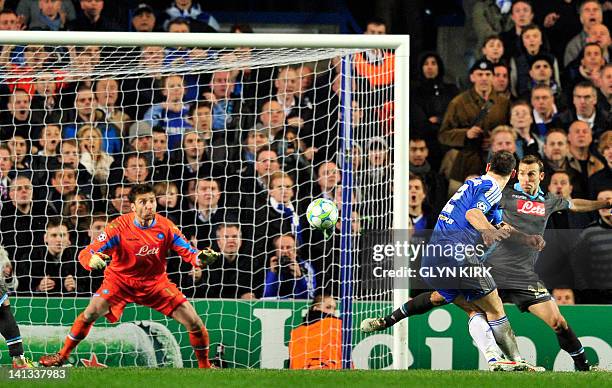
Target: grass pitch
(175, 378)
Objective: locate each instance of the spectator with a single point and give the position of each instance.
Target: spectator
(93, 158)
(467, 122)
(93, 280)
(560, 21)
(587, 68)
(545, 111)
(9, 21)
(328, 177)
(135, 169)
(229, 113)
(234, 275)
(163, 170)
(316, 343)
(91, 18)
(6, 171)
(168, 204)
(144, 19)
(585, 109)
(287, 85)
(490, 18)
(63, 183)
(253, 180)
(503, 138)
(45, 103)
(580, 138)
(376, 67)
(522, 16)
(200, 20)
(47, 15)
(528, 142)
(141, 139)
(192, 157)
(119, 202)
(541, 73)
(420, 214)
(50, 138)
(493, 49)
(51, 269)
(501, 80)
(288, 276)
(20, 153)
(21, 220)
(86, 113)
(16, 120)
(592, 257)
(203, 213)
(108, 102)
(432, 96)
(76, 213)
(564, 296)
(139, 93)
(253, 140)
(605, 90)
(602, 179)
(600, 35)
(556, 152)
(68, 155)
(172, 114)
(591, 13)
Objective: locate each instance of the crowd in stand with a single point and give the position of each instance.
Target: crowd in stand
(236, 156)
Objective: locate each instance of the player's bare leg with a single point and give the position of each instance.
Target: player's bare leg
(80, 328)
(420, 304)
(186, 315)
(568, 341)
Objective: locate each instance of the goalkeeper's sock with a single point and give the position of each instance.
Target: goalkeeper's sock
(77, 333)
(504, 336)
(420, 304)
(10, 331)
(482, 335)
(199, 342)
(571, 344)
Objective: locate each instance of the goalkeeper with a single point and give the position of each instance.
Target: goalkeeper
(136, 244)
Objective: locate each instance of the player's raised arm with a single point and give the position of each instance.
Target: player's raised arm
(98, 252)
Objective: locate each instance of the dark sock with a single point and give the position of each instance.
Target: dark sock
(570, 343)
(420, 304)
(10, 331)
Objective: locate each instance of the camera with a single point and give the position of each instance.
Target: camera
(284, 264)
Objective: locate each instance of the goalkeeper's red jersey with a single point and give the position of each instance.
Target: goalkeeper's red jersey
(138, 254)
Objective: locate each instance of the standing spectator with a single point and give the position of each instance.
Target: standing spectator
(605, 90)
(560, 21)
(585, 109)
(556, 152)
(288, 275)
(501, 80)
(493, 49)
(432, 95)
(490, 17)
(592, 257)
(200, 20)
(467, 122)
(522, 16)
(375, 67)
(580, 138)
(591, 13)
(602, 179)
(91, 18)
(545, 111)
(48, 15)
(203, 213)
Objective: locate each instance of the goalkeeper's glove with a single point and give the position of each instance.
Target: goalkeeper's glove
(98, 260)
(206, 257)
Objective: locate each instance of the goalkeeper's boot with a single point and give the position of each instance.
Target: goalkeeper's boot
(523, 365)
(50, 360)
(370, 325)
(20, 362)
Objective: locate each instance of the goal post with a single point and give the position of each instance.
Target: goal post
(275, 51)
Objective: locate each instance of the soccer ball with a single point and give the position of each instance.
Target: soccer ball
(322, 214)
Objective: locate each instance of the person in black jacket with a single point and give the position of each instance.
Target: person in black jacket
(436, 184)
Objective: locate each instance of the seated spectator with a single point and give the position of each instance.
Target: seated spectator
(545, 111)
(253, 139)
(22, 220)
(52, 268)
(46, 158)
(172, 114)
(564, 296)
(200, 20)
(234, 275)
(528, 142)
(63, 183)
(602, 179)
(76, 213)
(107, 101)
(17, 119)
(163, 168)
(46, 15)
(580, 138)
(6, 172)
(91, 18)
(600, 34)
(521, 14)
(592, 257)
(68, 155)
(253, 178)
(202, 213)
(490, 19)
(585, 109)
(556, 152)
(135, 169)
(191, 157)
(93, 158)
(288, 276)
(287, 88)
(229, 112)
(503, 138)
(328, 177)
(86, 113)
(94, 279)
(141, 139)
(46, 99)
(591, 13)
(143, 19)
(20, 153)
(605, 90)
(317, 342)
(10, 21)
(119, 202)
(493, 49)
(501, 80)
(168, 204)
(467, 122)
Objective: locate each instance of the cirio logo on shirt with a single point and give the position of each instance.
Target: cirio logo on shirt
(531, 207)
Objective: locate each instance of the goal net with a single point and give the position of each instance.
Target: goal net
(237, 141)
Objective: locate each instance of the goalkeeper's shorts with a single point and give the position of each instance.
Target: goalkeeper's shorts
(163, 296)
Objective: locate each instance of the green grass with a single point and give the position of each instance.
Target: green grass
(175, 378)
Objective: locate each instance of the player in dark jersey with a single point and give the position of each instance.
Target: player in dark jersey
(526, 209)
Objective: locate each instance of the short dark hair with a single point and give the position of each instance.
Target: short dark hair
(528, 2)
(178, 20)
(520, 103)
(417, 177)
(502, 163)
(376, 20)
(265, 148)
(490, 38)
(54, 222)
(200, 104)
(140, 189)
(225, 225)
(532, 159)
(584, 85)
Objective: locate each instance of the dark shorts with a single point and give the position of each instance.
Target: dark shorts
(3, 289)
(471, 280)
(528, 296)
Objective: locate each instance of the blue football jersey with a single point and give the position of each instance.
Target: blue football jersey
(481, 193)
